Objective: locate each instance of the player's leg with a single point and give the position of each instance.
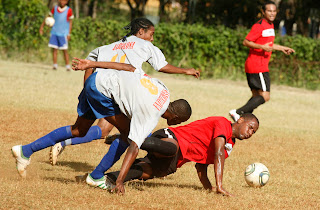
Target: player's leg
(260, 88)
(162, 143)
(22, 153)
(55, 58)
(117, 148)
(66, 59)
(93, 133)
(139, 170)
(54, 44)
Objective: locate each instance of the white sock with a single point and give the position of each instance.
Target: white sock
(68, 66)
(55, 65)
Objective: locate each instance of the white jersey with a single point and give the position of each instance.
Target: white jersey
(141, 98)
(134, 51)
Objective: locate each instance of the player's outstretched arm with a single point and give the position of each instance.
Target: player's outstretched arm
(219, 158)
(266, 47)
(202, 171)
(284, 49)
(130, 157)
(83, 64)
(170, 69)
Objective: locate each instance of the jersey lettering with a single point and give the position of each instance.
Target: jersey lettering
(149, 85)
(164, 95)
(124, 46)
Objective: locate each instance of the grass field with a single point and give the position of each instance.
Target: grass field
(35, 100)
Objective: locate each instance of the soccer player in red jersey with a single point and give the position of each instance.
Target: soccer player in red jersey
(206, 141)
(260, 40)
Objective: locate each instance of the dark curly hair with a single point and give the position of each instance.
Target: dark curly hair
(135, 25)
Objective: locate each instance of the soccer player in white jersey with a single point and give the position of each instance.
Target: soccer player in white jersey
(117, 96)
(135, 49)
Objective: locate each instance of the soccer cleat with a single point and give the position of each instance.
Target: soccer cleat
(101, 183)
(21, 161)
(234, 115)
(55, 151)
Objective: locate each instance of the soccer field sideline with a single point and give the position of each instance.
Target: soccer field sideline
(36, 100)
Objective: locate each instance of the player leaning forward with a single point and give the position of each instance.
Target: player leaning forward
(260, 40)
(132, 102)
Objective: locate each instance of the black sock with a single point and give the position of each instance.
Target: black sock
(153, 144)
(135, 172)
(253, 103)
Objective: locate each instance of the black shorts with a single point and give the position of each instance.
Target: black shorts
(162, 166)
(260, 81)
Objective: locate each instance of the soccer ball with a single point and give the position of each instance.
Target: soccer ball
(49, 21)
(256, 175)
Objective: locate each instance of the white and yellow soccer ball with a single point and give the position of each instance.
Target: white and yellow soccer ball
(49, 21)
(256, 175)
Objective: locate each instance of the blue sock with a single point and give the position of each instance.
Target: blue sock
(46, 141)
(93, 133)
(117, 148)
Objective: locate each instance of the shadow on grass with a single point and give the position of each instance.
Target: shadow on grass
(76, 166)
(138, 185)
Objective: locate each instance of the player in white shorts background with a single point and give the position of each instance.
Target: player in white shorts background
(135, 49)
(117, 96)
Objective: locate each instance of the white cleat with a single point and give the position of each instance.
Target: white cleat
(55, 151)
(101, 183)
(21, 161)
(234, 115)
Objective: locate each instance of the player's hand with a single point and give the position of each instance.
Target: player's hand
(119, 188)
(80, 64)
(193, 72)
(222, 191)
(68, 37)
(267, 47)
(287, 50)
(41, 31)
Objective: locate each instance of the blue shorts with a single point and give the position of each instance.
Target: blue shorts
(93, 104)
(58, 42)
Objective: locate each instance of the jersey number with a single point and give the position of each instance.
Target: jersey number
(150, 86)
(122, 59)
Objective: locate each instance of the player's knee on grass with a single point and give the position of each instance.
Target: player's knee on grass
(163, 147)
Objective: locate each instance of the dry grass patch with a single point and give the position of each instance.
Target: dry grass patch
(35, 100)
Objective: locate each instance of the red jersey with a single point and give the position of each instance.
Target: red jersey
(196, 139)
(258, 60)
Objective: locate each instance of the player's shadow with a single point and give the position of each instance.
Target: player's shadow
(76, 166)
(140, 184)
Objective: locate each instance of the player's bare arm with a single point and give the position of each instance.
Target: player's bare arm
(70, 29)
(170, 69)
(84, 64)
(130, 157)
(266, 47)
(219, 158)
(87, 73)
(202, 171)
(284, 49)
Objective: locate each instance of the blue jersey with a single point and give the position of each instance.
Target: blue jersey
(62, 25)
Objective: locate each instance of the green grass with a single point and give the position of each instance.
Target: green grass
(35, 100)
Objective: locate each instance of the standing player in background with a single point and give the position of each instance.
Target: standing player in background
(135, 49)
(60, 32)
(260, 41)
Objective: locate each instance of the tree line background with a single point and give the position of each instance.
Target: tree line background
(211, 43)
(230, 13)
